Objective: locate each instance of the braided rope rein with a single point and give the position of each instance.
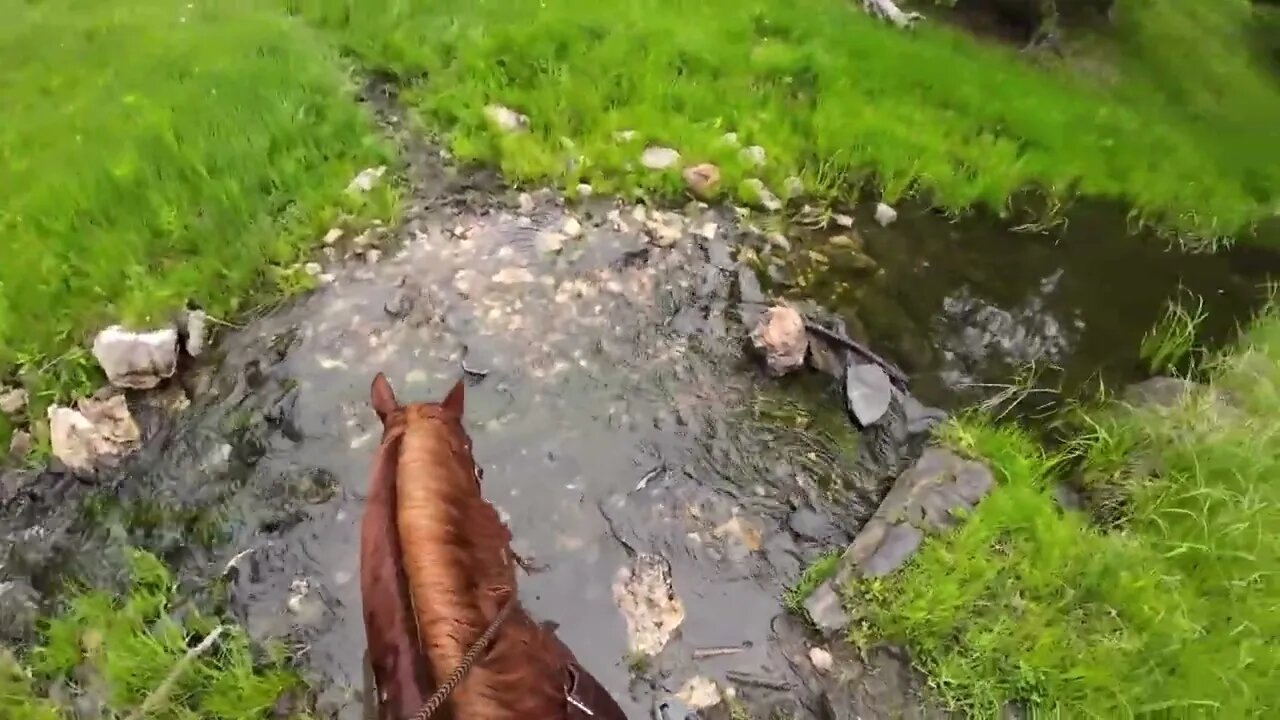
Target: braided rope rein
(481, 644)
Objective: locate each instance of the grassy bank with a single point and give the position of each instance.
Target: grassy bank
(157, 151)
(119, 654)
(1163, 602)
(1165, 112)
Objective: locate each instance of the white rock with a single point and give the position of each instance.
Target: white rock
(659, 158)
(332, 236)
(365, 180)
(885, 214)
(821, 659)
(699, 692)
(780, 241)
(549, 242)
(708, 230)
(512, 276)
(197, 324)
(572, 228)
(313, 268)
(762, 195)
(730, 138)
(585, 190)
(662, 234)
(843, 220)
(781, 338)
(136, 360)
(793, 187)
(644, 594)
(12, 400)
(753, 155)
(95, 433)
(506, 119)
(526, 203)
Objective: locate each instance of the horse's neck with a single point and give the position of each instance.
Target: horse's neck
(455, 548)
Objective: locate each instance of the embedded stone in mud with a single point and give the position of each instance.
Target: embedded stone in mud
(780, 337)
(96, 433)
(928, 498)
(12, 401)
(136, 360)
(648, 602)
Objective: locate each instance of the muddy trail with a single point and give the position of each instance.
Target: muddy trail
(614, 412)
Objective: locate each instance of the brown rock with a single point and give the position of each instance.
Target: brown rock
(781, 338)
(703, 181)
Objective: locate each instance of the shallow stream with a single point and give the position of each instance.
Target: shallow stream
(617, 413)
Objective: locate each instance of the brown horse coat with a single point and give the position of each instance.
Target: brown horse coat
(436, 567)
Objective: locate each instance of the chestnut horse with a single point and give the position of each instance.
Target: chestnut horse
(446, 635)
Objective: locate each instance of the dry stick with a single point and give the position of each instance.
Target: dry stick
(835, 337)
(161, 693)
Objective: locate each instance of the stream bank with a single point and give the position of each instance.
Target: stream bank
(617, 414)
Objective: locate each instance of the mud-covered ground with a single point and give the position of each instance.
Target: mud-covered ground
(613, 410)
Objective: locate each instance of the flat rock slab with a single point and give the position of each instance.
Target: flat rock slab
(929, 498)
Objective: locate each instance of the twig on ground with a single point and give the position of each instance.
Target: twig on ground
(897, 375)
(161, 693)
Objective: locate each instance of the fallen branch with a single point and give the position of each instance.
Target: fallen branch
(162, 691)
(894, 373)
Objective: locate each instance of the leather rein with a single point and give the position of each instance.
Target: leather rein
(474, 653)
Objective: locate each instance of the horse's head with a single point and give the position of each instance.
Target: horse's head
(444, 416)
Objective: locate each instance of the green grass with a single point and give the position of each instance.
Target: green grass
(839, 99)
(158, 151)
(1168, 608)
(120, 650)
(1169, 346)
(816, 573)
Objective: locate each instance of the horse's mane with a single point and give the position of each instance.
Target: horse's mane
(456, 552)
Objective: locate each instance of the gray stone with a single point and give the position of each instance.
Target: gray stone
(20, 445)
(1160, 392)
(826, 610)
(811, 525)
(12, 401)
(136, 360)
(869, 391)
(920, 417)
(900, 543)
(749, 290)
(931, 496)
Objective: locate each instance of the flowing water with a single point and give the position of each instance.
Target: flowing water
(616, 414)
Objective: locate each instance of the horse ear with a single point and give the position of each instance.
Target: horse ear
(382, 397)
(453, 402)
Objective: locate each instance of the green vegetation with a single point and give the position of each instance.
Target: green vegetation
(156, 151)
(1167, 606)
(128, 653)
(1164, 112)
(818, 572)
(1169, 345)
